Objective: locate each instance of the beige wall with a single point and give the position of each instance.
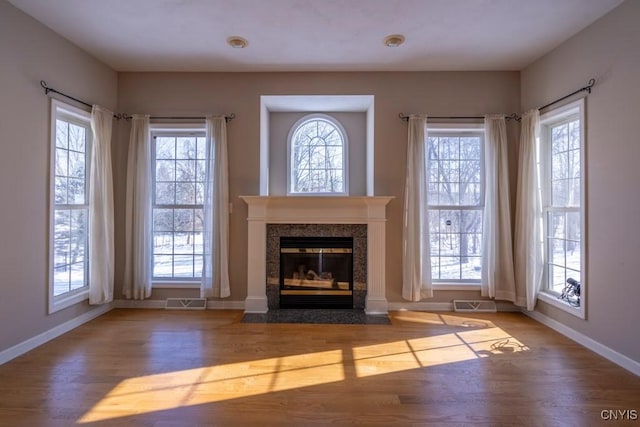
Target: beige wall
(434, 93)
(609, 51)
(30, 52)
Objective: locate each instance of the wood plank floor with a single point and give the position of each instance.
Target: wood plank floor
(176, 368)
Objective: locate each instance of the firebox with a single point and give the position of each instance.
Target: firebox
(316, 272)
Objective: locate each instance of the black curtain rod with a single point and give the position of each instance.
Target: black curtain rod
(48, 89)
(513, 116)
(587, 88)
(227, 117)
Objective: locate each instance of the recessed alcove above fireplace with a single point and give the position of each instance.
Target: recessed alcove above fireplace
(304, 212)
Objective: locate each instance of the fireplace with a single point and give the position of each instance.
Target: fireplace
(316, 272)
(280, 214)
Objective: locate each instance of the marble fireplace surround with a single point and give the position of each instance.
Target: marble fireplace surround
(263, 210)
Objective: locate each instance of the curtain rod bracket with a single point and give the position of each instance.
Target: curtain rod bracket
(513, 116)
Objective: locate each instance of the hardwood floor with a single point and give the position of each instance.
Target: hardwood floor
(177, 368)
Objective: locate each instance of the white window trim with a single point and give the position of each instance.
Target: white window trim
(345, 155)
(173, 129)
(461, 129)
(58, 108)
(547, 119)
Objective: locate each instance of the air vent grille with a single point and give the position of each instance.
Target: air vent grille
(186, 304)
(474, 305)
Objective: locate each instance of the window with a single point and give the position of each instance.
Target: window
(178, 189)
(317, 156)
(562, 159)
(69, 251)
(456, 201)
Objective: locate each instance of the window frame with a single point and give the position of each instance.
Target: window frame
(197, 130)
(79, 117)
(459, 130)
(569, 112)
(345, 155)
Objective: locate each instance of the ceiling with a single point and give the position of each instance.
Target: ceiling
(316, 35)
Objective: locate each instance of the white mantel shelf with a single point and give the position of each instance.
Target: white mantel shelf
(263, 210)
(317, 209)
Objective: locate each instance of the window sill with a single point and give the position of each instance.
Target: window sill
(67, 300)
(554, 300)
(175, 285)
(443, 286)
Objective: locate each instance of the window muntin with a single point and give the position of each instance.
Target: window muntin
(317, 156)
(70, 160)
(456, 204)
(562, 163)
(179, 172)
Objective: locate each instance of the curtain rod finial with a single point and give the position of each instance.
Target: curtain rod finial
(45, 87)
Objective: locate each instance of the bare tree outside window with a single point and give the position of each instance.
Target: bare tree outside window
(179, 176)
(317, 149)
(563, 210)
(454, 164)
(71, 211)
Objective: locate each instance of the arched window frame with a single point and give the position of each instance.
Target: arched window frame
(345, 158)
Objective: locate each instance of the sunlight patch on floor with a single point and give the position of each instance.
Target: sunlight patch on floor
(170, 390)
(441, 319)
(436, 350)
(205, 385)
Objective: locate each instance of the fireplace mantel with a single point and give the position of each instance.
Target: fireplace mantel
(316, 210)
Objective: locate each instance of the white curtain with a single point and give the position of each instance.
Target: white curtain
(215, 270)
(101, 254)
(497, 251)
(138, 220)
(528, 232)
(416, 262)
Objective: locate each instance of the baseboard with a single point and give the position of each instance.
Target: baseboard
(159, 304)
(136, 303)
(593, 345)
(420, 306)
(215, 304)
(38, 340)
(442, 306)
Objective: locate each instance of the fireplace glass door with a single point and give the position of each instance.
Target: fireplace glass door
(316, 272)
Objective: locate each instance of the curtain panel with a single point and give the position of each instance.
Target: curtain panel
(138, 214)
(497, 254)
(101, 251)
(528, 228)
(416, 258)
(215, 269)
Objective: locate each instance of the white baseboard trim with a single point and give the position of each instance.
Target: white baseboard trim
(135, 303)
(33, 342)
(442, 306)
(160, 304)
(593, 345)
(420, 306)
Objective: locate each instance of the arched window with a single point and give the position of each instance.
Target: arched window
(317, 156)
